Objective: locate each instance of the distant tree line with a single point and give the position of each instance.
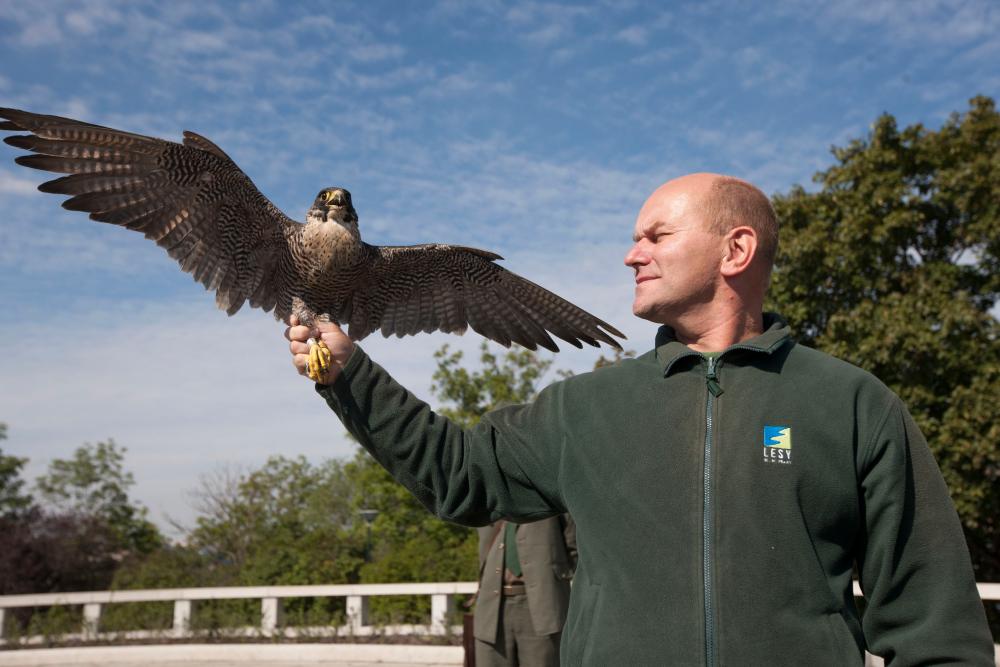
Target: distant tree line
(890, 261)
(893, 264)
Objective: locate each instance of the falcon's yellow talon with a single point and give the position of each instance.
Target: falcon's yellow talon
(314, 367)
(324, 355)
(320, 359)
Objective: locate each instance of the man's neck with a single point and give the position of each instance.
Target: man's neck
(717, 334)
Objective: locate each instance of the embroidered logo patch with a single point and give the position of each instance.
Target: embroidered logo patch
(778, 444)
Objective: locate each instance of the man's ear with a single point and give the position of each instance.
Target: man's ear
(740, 249)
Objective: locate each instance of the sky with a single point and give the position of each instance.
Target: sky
(532, 129)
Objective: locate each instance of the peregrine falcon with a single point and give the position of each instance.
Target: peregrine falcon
(199, 206)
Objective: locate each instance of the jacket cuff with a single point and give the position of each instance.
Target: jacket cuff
(355, 365)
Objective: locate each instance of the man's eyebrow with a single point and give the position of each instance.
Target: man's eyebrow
(647, 230)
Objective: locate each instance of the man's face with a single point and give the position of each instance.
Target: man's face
(675, 259)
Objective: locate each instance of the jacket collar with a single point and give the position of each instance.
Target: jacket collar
(669, 349)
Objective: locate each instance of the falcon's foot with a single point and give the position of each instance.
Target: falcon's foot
(320, 359)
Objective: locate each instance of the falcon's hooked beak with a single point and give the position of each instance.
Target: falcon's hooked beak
(334, 205)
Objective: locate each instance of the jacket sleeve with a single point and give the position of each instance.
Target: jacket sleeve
(503, 467)
(916, 575)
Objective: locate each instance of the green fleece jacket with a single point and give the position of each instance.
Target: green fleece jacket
(721, 504)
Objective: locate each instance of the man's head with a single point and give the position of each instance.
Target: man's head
(703, 242)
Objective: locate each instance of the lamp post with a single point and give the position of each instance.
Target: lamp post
(368, 516)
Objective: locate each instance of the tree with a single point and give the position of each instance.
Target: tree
(894, 265)
(288, 522)
(281, 524)
(13, 501)
(408, 542)
(42, 552)
(512, 378)
(94, 483)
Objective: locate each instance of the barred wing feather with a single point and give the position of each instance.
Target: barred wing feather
(190, 198)
(436, 287)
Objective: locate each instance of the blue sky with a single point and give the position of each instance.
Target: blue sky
(534, 129)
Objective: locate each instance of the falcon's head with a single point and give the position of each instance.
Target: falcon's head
(333, 205)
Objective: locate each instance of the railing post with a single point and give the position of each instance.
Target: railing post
(271, 615)
(182, 618)
(91, 620)
(3, 621)
(442, 604)
(357, 612)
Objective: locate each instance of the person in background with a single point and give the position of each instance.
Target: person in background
(524, 584)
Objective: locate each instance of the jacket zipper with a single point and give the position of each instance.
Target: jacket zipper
(714, 389)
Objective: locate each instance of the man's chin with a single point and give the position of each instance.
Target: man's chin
(644, 312)
(650, 313)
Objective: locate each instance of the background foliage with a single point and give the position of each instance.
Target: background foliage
(893, 264)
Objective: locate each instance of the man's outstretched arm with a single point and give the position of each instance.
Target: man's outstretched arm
(500, 468)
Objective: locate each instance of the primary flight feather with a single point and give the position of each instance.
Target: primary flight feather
(200, 207)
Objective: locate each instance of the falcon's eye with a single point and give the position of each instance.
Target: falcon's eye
(327, 196)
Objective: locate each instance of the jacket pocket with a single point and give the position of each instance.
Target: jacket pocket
(578, 636)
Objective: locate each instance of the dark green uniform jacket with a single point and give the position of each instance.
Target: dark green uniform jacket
(720, 504)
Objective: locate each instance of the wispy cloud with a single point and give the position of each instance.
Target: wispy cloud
(927, 21)
(15, 185)
(90, 18)
(368, 53)
(635, 35)
(544, 23)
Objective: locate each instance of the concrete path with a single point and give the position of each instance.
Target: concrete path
(238, 655)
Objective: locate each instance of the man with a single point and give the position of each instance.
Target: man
(725, 484)
(524, 575)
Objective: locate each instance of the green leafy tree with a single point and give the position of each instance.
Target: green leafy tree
(408, 542)
(894, 265)
(13, 500)
(95, 483)
(501, 380)
(175, 566)
(286, 523)
(42, 552)
(617, 358)
(281, 524)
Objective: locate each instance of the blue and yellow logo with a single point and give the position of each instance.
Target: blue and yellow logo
(777, 444)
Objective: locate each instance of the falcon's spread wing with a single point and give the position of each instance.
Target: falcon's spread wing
(194, 201)
(408, 289)
(190, 198)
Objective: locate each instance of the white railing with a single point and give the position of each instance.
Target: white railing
(271, 616)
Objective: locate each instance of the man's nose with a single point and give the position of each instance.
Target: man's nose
(636, 255)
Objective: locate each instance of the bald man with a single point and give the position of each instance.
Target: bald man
(725, 484)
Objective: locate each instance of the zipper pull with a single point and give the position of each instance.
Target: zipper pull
(713, 380)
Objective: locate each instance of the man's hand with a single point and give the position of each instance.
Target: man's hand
(332, 335)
